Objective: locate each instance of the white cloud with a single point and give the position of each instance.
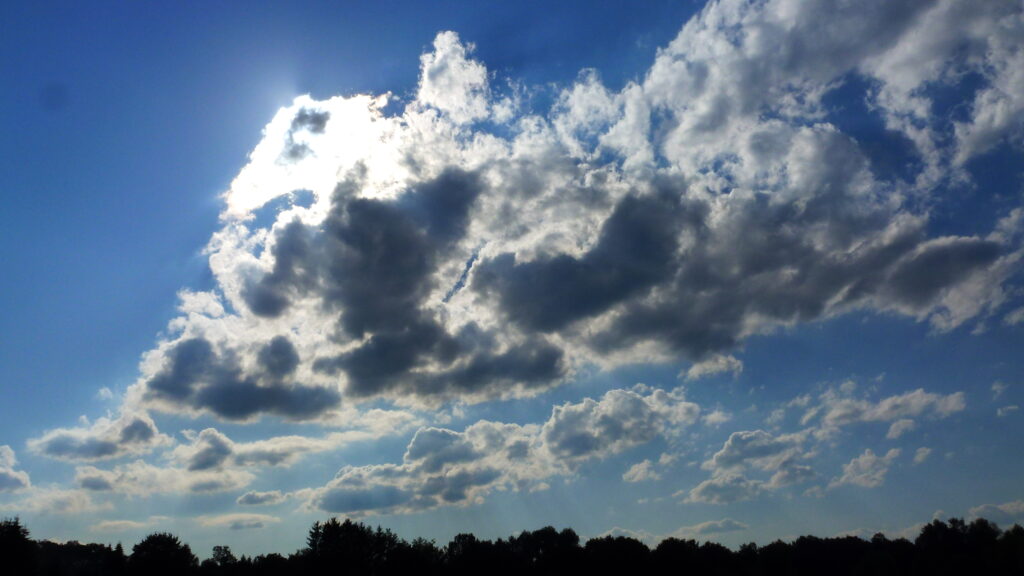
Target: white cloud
(142, 479)
(621, 419)
(237, 521)
(444, 467)
(755, 448)
(644, 536)
(254, 498)
(1004, 411)
(723, 489)
(715, 365)
(53, 500)
(641, 472)
(1014, 317)
(838, 408)
(866, 470)
(900, 427)
(451, 82)
(212, 450)
(998, 388)
(116, 526)
(1005, 513)
(708, 529)
(716, 418)
(922, 454)
(11, 479)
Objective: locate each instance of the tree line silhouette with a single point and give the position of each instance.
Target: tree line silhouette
(355, 549)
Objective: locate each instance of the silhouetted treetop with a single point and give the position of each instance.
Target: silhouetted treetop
(352, 548)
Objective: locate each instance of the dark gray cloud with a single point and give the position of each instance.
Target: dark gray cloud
(213, 449)
(293, 272)
(104, 439)
(197, 376)
(69, 446)
(918, 278)
(279, 357)
(312, 121)
(636, 249)
(455, 487)
(95, 483)
(433, 448)
(341, 500)
(138, 430)
(11, 480)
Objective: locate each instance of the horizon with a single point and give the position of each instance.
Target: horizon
(722, 270)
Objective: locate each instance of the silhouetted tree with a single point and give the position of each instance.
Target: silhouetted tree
(354, 549)
(162, 554)
(617, 554)
(17, 551)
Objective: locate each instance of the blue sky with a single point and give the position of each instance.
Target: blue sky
(720, 271)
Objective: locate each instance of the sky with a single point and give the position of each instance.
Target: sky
(735, 271)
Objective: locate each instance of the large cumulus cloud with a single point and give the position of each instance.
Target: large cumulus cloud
(442, 259)
(467, 247)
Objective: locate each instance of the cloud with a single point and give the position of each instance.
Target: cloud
(922, 454)
(716, 364)
(444, 467)
(755, 448)
(116, 526)
(142, 479)
(254, 498)
(1014, 317)
(866, 470)
(461, 249)
(708, 529)
(1006, 513)
(196, 376)
(642, 535)
(621, 419)
(210, 449)
(1004, 411)
(237, 521)
(452, 83)
(752, 450)
(131, 433)
(641, 472)
(899, 428)
(54, 500)
(11, 479)
(998, 388)
(717, 418)
(725, 488)
(841, 407)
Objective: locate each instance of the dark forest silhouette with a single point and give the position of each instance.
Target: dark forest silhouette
(353, 548)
